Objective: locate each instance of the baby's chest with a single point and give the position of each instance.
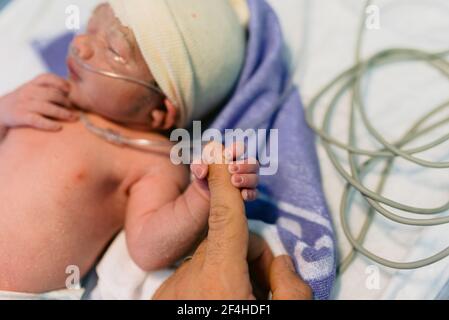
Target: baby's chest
(66, 160)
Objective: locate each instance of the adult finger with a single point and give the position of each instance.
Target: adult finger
(228, 228)
(285, 283)
(257, 247)
(260, 259)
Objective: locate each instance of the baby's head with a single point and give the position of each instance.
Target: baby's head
(192, 50)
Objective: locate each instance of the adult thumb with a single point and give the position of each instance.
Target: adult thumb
(285, 283)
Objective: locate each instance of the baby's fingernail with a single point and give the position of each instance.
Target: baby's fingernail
(198, 172)
(238, 179)
(233, 168)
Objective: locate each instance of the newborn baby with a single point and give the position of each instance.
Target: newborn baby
(65, 192)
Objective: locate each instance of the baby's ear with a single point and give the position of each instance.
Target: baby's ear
(164, 118)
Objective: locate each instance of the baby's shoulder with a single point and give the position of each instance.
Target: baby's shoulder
(161, 165)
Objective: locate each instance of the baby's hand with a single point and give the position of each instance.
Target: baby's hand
(244, 174)
(35, 102)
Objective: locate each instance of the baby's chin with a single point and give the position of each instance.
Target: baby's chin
(75, 97)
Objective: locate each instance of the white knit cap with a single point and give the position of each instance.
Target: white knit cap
(194, 48)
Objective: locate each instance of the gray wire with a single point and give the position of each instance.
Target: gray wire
(351, 81)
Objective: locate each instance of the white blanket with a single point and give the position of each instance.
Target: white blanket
(67, 294)
(398, 95)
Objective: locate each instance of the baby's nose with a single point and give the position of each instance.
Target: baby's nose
(82, 47)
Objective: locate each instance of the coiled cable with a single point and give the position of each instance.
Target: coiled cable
(350, 81)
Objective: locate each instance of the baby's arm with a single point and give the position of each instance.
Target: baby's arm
(163, 223)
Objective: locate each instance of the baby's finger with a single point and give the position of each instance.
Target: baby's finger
(51, 80)
(247, 181)
(52, 95)
(249, 194)
(39, 122)
(199, 170)
(56, 112)
(249, 165)
(234, 151)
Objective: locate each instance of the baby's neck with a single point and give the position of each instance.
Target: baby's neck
(131, 131)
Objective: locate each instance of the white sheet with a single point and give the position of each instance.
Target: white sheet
(23, 21)
(66, 294)
(399, 94)
(321, 36)
(119, 278)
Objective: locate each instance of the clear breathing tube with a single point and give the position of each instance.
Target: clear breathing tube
(110, 74)
(115, 137)
(351, 81)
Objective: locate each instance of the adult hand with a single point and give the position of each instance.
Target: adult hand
(230, 263)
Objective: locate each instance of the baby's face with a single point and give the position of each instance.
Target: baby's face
(108, 45)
